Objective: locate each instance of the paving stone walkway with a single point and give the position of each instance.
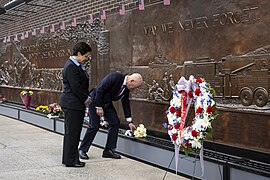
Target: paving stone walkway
(29, 152)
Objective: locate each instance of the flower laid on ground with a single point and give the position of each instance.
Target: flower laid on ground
(190, 138)
(26, 97)
(43, 109)
(140, 131)
(55, 110)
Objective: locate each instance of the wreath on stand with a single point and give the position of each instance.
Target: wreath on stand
(198, 91)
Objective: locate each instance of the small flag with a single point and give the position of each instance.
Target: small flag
(16, 37)
(5, 39)
(103, 14)
(22, 36)
(8, 39)
(26, 35)
(52, 29)
(122, 9)
(74, 22)
(63, 25)
(167, 2)
(42, 30)
(141, 4)
(90, 19)
(34, 32)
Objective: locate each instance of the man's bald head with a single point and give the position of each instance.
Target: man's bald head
(134, 80)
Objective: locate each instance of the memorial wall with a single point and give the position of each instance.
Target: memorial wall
(225, 42)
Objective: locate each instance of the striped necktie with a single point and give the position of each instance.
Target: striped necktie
(121, 90)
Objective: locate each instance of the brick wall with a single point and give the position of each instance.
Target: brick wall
(60, 11)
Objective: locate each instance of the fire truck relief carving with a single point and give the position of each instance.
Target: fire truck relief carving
(236, 79)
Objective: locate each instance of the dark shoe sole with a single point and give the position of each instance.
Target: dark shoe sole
(109, 156)
(82, 157)
(76, 165)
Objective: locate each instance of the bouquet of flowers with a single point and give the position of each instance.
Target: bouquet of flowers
(43, 109)
(26, 97)
(140, 131)
(55, 110)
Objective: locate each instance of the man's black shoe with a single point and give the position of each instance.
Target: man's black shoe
(83, 155)
(109, 153)
(76, 165)
(83, 163)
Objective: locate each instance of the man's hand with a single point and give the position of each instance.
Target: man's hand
(88, 101)
(132, 127)
(100, 112)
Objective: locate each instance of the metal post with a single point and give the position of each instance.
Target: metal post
(226, 171)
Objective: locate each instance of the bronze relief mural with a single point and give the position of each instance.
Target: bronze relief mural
(37, 61)
(226, 42)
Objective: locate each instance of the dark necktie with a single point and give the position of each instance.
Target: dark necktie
(121, 90)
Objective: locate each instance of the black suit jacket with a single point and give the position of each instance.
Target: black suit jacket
(106, 92)
(76, 84)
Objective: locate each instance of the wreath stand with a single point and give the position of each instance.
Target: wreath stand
(190, 138)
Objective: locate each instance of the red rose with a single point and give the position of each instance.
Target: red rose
(170, 127)
(180, 91)
(197, 92)
(190, 94)
(174, 137)
(199, 110)
(172, 110)
(177, 126)
(194, 133)
(187, 144)
(210, 110)
(199, 80)
(178, 112)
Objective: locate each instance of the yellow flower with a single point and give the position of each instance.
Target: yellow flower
(26, 92)
(43, 109)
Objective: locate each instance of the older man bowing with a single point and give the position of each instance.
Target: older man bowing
(113, 87)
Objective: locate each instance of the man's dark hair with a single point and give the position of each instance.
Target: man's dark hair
(81, 47)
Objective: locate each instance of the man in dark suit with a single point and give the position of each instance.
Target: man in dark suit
(73, 100)
(113, 87)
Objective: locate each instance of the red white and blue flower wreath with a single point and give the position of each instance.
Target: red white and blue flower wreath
(186, 92)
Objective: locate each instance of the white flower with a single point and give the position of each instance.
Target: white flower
(196, 144)
(173, 131)
(186, 134)
(141, 125)
(201, 124)
(171, 118)
(140, 131)
(176, 101)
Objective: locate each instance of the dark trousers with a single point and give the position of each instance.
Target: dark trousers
(73, 127)
(110, 115)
